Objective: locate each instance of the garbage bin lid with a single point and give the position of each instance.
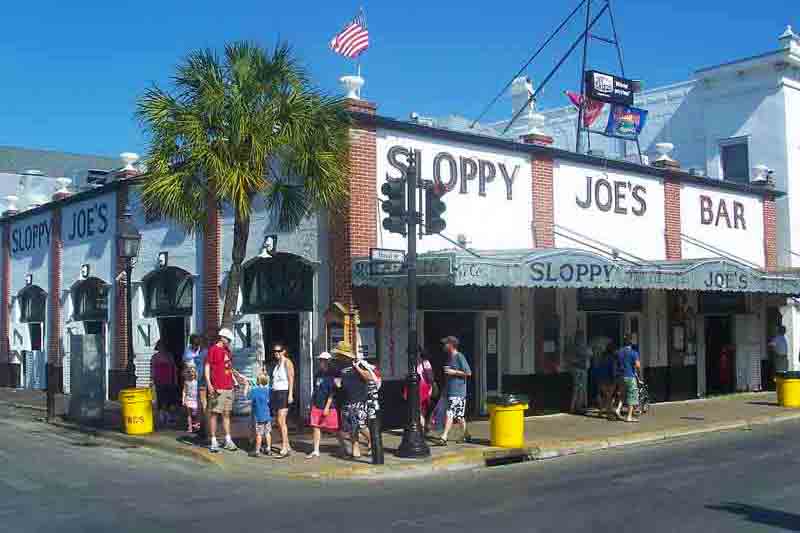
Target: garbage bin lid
(505, 400)
(788, 374)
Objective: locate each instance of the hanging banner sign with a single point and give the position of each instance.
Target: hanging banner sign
(625, 122)
(608, 88)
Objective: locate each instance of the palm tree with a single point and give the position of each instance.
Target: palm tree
(250, 124)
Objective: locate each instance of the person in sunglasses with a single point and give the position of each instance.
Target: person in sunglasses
(282, 395)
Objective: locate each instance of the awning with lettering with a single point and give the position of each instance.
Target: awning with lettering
(573, 268)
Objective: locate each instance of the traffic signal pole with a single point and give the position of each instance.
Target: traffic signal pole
(413, 443)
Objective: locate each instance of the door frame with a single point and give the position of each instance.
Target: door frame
(483, 336)
(478, 351)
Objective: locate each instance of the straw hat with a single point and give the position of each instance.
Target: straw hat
(344, 349)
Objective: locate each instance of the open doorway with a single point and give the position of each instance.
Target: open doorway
(173, 333)
(459, 324)
(720, 355)
(284, 328)
(604, 326)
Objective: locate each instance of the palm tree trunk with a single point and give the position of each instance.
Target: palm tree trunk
(241, 233)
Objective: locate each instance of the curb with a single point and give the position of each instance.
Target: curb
(466, 459)
(144, 441)
(199, 454)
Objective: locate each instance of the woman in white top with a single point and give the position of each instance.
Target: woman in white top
(282, 393)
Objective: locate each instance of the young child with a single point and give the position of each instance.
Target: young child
(323, 412)
(190, 398)
(260, 413)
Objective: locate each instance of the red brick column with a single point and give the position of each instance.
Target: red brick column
(55, 325)
(543, 218)
(770, 234)
(353, 230)
(211, 268)
(672, 219)
(117, 374)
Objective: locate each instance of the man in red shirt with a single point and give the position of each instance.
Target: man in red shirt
(219, 380)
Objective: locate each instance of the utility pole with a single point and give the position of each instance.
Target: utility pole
(413, 443)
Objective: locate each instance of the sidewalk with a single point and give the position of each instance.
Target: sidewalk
(547, 437)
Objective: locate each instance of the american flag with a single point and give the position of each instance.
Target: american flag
(353, 39)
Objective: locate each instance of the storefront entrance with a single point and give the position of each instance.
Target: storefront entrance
(459, 324)
(720, 355)
(284, 328)
(173, 334)
(604, 326)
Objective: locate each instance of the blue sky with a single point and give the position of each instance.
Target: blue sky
(70, 72)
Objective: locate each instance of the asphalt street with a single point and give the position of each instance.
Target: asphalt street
(59, 481)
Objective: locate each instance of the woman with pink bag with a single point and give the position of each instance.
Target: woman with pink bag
(426, 386)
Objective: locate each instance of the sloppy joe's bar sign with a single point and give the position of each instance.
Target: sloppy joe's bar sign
(730, 221)
(87, 220)
(478, 180)
(622, 210)
(31, 235)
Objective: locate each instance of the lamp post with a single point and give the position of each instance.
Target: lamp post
(128, 241)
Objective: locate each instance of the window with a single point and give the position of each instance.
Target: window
(283, 283)
(735, 160)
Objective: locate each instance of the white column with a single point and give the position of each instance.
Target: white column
(790, 316)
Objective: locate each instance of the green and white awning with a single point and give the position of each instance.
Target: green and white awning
(572, 268)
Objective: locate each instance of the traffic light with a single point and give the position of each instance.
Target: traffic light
(395, 206)
(434, 208)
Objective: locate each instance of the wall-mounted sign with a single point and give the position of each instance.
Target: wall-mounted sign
(609, 88)
(611, 207)
(31, 236)
(729, 221)
(163, 259)
(479, 179)
(85, 271)
(28, 279)
(89, 221)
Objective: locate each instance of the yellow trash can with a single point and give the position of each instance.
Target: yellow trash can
(507, 420)
(137, 410)
(788, 386)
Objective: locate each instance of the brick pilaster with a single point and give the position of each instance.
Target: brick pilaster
(119, 360)
(770, 234)
(542, 170)
(353, 230)
(211, 268)
(55, 325)
(672, 219)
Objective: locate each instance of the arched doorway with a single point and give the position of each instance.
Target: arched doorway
(169, 297)
(280, 290)
(32, 314)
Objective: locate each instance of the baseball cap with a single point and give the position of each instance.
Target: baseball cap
(225, 332)
(450, 340)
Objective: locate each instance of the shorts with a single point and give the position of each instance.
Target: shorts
(221, 403)
(166, 396)
(328, 423)
(354, 418)
(456, 408)
(278, 399)
(631, 392)
(261, 428)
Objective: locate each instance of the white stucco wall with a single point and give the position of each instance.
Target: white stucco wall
(474, 209)
(629, 215)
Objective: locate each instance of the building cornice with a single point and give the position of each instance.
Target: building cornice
(549, 152)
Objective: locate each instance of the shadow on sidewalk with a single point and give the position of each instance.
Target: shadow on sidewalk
(761, 515)
(770, 404)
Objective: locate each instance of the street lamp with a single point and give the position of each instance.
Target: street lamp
(128, 241)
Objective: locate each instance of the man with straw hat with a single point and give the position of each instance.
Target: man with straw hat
(355, 377)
